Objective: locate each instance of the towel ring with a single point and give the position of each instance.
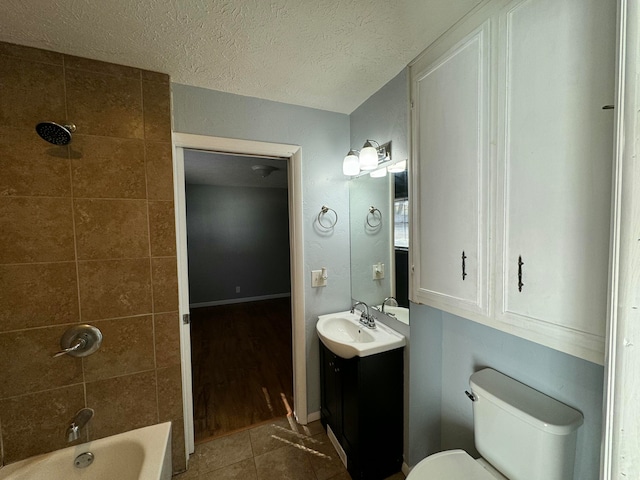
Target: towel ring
(323, 211)
(372, 216)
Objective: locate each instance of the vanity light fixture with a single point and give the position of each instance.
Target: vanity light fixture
(379, 173)
(397, 167)
(369, 158)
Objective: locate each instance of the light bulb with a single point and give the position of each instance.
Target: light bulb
(368, 157)
(351, 164)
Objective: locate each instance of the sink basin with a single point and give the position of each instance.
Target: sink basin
(344, 335)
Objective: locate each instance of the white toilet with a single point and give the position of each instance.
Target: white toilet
(521, 434)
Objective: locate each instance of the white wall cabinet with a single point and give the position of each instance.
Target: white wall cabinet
(451, 136)
(547, 145)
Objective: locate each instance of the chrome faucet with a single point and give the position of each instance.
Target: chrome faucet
(366, 319)
(79, 421)
(385, 302)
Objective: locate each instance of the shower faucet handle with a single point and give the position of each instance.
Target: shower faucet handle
(80, 341)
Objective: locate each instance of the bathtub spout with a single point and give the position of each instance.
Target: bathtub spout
(79, 421)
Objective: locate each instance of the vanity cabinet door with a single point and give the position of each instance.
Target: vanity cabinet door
(450, 167)
(555, 170)
(331, 391)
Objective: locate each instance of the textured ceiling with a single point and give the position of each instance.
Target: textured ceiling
(326, 54)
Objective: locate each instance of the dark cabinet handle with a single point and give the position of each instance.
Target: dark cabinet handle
(464, 266)
(520, 263)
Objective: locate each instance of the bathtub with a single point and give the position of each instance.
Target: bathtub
(143, 454)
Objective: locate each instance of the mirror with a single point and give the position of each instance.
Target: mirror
(379, 232)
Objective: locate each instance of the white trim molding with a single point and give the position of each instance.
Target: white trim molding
(235, 146)
(621, 430)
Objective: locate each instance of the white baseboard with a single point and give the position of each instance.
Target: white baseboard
(313, 416)
(238, 300)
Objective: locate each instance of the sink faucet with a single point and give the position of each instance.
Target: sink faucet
(385, 302)
(79, 421)
(366, 319)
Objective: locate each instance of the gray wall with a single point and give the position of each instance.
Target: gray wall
(324, 140)
(465, 347)
(237, 236)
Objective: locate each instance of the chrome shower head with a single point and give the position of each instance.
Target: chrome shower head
(55, 133)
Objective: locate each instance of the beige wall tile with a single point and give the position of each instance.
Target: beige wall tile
(104, 104)
(122, 404)
(114, 288)
(107, 167)
(96, 66)
(30, 92)
(167, 338)
(35, 229)
(111, 229)
(157, 111)
(155, 77)
(37, 295)
(162, 229)
(29, 53)
(127, 347)
(164, 275)
(28, 363)
(178, 459)
(169, 393)
(159, 164)
(35, 424)
(31, 166)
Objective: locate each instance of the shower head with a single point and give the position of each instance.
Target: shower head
(54, 133)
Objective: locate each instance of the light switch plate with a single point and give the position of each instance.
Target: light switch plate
(317, 280)
(378, 271)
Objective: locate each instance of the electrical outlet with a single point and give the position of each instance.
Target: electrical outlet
(317, 278)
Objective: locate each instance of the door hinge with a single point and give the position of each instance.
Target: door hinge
(186, 319)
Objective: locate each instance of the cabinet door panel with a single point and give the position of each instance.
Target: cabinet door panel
(451, 131)
(559, 73)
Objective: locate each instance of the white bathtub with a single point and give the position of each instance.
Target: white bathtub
(143, 454)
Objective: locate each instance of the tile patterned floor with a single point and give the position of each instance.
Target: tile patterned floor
(277, 450)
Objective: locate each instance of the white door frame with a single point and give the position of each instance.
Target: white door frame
(621, 429)
(228, 145)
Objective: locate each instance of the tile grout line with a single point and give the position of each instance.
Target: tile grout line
(73, 223)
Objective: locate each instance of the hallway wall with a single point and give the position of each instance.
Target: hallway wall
(237, 236)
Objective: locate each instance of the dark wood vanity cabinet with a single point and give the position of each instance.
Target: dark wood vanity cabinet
(362, 402)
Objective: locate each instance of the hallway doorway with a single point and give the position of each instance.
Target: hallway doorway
(238, 254)
(292, 155)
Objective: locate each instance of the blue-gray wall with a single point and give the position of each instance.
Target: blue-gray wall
(237, 236)
(324, 141)
(465, 347)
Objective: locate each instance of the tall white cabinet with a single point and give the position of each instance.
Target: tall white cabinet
(452, 135)
(516, 161)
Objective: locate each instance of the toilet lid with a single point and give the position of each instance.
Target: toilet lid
(450, 465)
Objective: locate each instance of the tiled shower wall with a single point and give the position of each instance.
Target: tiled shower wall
(86, 236)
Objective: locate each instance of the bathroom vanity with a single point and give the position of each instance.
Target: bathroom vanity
(362, 400)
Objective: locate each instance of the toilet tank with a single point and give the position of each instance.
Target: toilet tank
(523, 433)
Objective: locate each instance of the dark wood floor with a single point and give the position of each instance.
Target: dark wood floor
(242, 365)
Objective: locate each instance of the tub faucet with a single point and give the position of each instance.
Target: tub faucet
(79, 421)
(366, 319)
